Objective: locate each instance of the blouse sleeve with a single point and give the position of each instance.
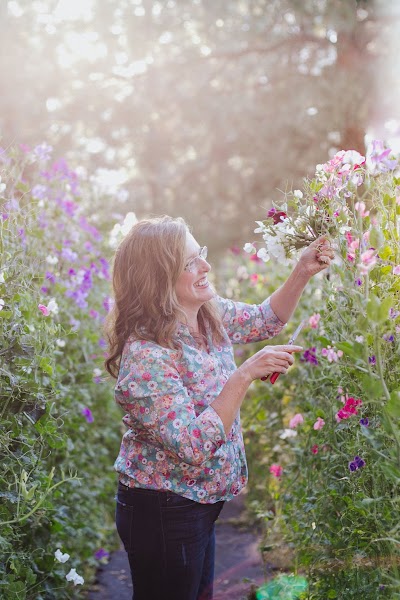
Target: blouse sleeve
(246, 323)
(159, 407)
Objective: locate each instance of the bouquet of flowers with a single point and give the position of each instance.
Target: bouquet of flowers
(326, 206)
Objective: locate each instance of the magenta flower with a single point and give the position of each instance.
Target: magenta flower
(319, 424)
(276, 215)
(276, 470)
(296, 420)
(315, 449)
(349, 409)
(87, 413)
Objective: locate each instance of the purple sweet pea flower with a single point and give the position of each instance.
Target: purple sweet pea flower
(310, 356)
(364, 422)
(87, 413)
(388, 337)
(378, 158)
(356, 464)
(101, 553)
(372, 360)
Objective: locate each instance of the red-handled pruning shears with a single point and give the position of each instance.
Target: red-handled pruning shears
(275, 375)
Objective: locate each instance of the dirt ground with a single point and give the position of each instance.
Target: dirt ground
(239, 566)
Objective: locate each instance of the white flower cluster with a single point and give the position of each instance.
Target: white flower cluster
(118, 232)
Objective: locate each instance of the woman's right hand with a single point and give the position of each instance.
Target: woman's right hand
(271, 359)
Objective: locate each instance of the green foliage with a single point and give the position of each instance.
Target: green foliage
(339, 518)
(56, 481)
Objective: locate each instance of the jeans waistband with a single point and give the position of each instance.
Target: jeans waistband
(139, 490)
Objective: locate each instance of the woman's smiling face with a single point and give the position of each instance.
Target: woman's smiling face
(192, 287)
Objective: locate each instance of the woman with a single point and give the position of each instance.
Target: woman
(182, 457)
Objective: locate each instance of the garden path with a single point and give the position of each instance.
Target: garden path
(237, 558)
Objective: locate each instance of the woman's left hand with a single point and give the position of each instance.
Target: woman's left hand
(316, 257)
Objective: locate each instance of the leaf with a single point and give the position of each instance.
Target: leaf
(393, 406)
(376, 238)
(5, 314)
(373, 308)
(349, 349)
(45, 365)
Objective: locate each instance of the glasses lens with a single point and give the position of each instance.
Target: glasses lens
(203, 252)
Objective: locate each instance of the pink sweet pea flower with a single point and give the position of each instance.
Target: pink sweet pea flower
(44, 310)
(314, 449)
(360, 207)
(368, 260)
(276, 470)
(314, 320)
(331, 354)
(396, 270)
(319, 424)
(296, 420)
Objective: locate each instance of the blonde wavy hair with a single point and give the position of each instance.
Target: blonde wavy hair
(146, 267)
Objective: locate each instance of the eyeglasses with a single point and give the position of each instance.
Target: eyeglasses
(193, 262)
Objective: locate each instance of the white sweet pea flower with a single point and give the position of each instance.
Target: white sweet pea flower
(1, 303)
(288, 433)
(250, 248)
(2, 277)
(263, 254)
(359, 339)
(52, 306)
(97, 372)
(62, 558)
(51, 260)
(2, 186)
(298, 194)
(60, 343)
(74, 577)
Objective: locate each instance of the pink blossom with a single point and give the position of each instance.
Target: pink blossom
(276, 470)
(331, 354)
(44, 310)
(396, 270)
(296, 420)
(319, 424)
(360, 207)
(315, 449)
(314, 320)
(368, 260)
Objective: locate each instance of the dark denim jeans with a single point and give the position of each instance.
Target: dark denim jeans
(170, 542)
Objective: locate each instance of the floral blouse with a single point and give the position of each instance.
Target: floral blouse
(176, 441)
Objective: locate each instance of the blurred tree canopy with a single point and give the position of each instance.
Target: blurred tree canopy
(199, 108)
